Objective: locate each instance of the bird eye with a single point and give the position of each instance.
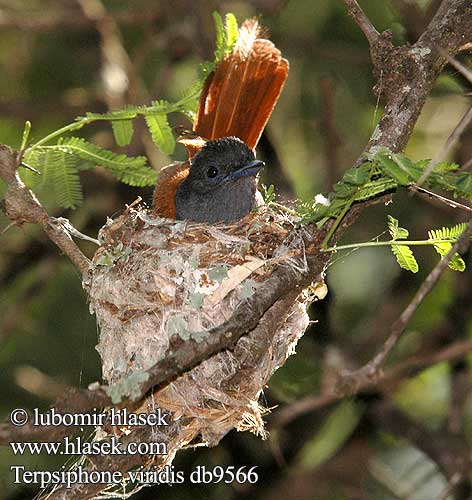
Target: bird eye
(212, 172)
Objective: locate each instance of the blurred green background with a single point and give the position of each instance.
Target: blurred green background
(62, 58)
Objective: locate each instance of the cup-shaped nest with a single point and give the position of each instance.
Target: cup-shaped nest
(157, 282)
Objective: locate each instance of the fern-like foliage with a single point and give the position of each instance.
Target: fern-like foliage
(59, 173)
(448, 233)
(383, 172)
(66, 180)
(403, 253)
(159, 127)
(396, 232)
(440, 238)
(131, 170)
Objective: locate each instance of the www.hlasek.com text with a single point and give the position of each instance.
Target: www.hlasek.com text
(79, 446)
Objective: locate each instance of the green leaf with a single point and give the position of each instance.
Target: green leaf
(343, 190)
(161, 132)
(407, 166)
(59, 174)
(392, 168)
(445, 166)
(66, 180)
(232, 32)
(456, 263)
(447, 233)
(463, 183)
(123, 131)
(220, 37)
(226, 36)
(43, 162)
(375, 188)
(359, 175)
(396, 232)
(405, 258)
(127, 113)
(130, 170)
(392, 226)
(26, 133)
(268, 193)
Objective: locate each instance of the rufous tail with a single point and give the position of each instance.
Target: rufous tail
(240, 94)
(237, 99)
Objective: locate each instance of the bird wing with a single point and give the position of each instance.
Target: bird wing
(168, 182)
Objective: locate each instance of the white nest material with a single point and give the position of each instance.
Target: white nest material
(155, 281)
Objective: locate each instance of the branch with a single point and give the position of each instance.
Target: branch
(355, 11)
(408, 368)
(21, 206)
(406, 74)
(395, 128)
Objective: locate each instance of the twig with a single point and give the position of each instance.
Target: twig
(355, 11)
(8, 227)
(453, 482)
(442, 199)
(463, 70)
(22, 206)
(403, 369)
(448, 145)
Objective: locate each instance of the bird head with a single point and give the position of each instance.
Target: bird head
(221, 183)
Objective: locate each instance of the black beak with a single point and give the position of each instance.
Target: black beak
(249, 170)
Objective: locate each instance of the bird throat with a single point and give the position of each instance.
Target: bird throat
(228, 202)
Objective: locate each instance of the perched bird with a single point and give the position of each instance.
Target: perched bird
(218, 183)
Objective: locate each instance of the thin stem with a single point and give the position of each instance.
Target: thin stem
(355, 11)
(145, 110)
(387, 243)
(336, 224)
(26, 132)
(67, 128)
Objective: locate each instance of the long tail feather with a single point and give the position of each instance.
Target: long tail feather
(238, 98)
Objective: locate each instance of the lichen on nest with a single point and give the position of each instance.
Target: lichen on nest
(156, 280)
